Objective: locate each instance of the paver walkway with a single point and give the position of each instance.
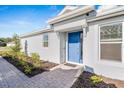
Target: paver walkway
(10, 77)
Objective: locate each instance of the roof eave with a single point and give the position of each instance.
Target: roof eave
(36, 33)
(107, 16)
(72, 14)
(118, 12)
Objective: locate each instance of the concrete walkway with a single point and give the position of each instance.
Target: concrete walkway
(10, 77)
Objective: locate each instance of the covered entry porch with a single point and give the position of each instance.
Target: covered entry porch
(71, 47)
(71, 28)
(71, 42)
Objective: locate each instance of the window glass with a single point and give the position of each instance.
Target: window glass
(111, 52)
(45, 40)
(111, 32)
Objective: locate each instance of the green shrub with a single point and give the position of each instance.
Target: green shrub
(28, 69)
(13, 55)
(21, 56)
(1, 53)
(96, 79)
(36, 60)
(35, 56)
(22, 63)
(4, 53)
(37, 64)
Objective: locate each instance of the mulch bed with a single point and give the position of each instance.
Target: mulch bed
(46, 66)
(118, 83)
(84, 82)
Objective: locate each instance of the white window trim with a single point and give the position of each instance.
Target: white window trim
(107, 24)
(112, 40)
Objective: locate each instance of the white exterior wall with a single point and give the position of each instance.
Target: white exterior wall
(90, 47)
(113, 70)
(35, 45)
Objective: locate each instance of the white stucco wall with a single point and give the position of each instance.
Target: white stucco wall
(110, 69)
(35, 45)
(90, 48)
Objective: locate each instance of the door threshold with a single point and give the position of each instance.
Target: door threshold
(80, 64)
(71, 65)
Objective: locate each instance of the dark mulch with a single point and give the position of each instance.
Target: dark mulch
(84, 82)
(46, 66)
(118, 83)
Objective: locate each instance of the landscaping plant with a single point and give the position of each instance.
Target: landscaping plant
(22, 63)
(16, 40)
(29, 65)
(36, 60)
(91, 80)
(4, 53)
(21, 56)
(96, 79)
(28, 69)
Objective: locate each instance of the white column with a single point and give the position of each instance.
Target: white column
(84, 32)
(84, 36)
(67, 47)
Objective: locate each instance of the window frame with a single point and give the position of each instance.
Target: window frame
(44, 41)
(111, 42)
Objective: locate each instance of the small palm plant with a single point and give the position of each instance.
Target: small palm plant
(96, 79)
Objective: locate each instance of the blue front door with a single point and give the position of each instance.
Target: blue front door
(74, 47)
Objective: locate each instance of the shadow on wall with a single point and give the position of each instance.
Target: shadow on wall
(26, 47)
(89, 69)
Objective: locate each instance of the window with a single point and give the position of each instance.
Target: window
(111, 42)
(45, 40)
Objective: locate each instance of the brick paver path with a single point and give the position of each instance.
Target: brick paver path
(13, 78)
